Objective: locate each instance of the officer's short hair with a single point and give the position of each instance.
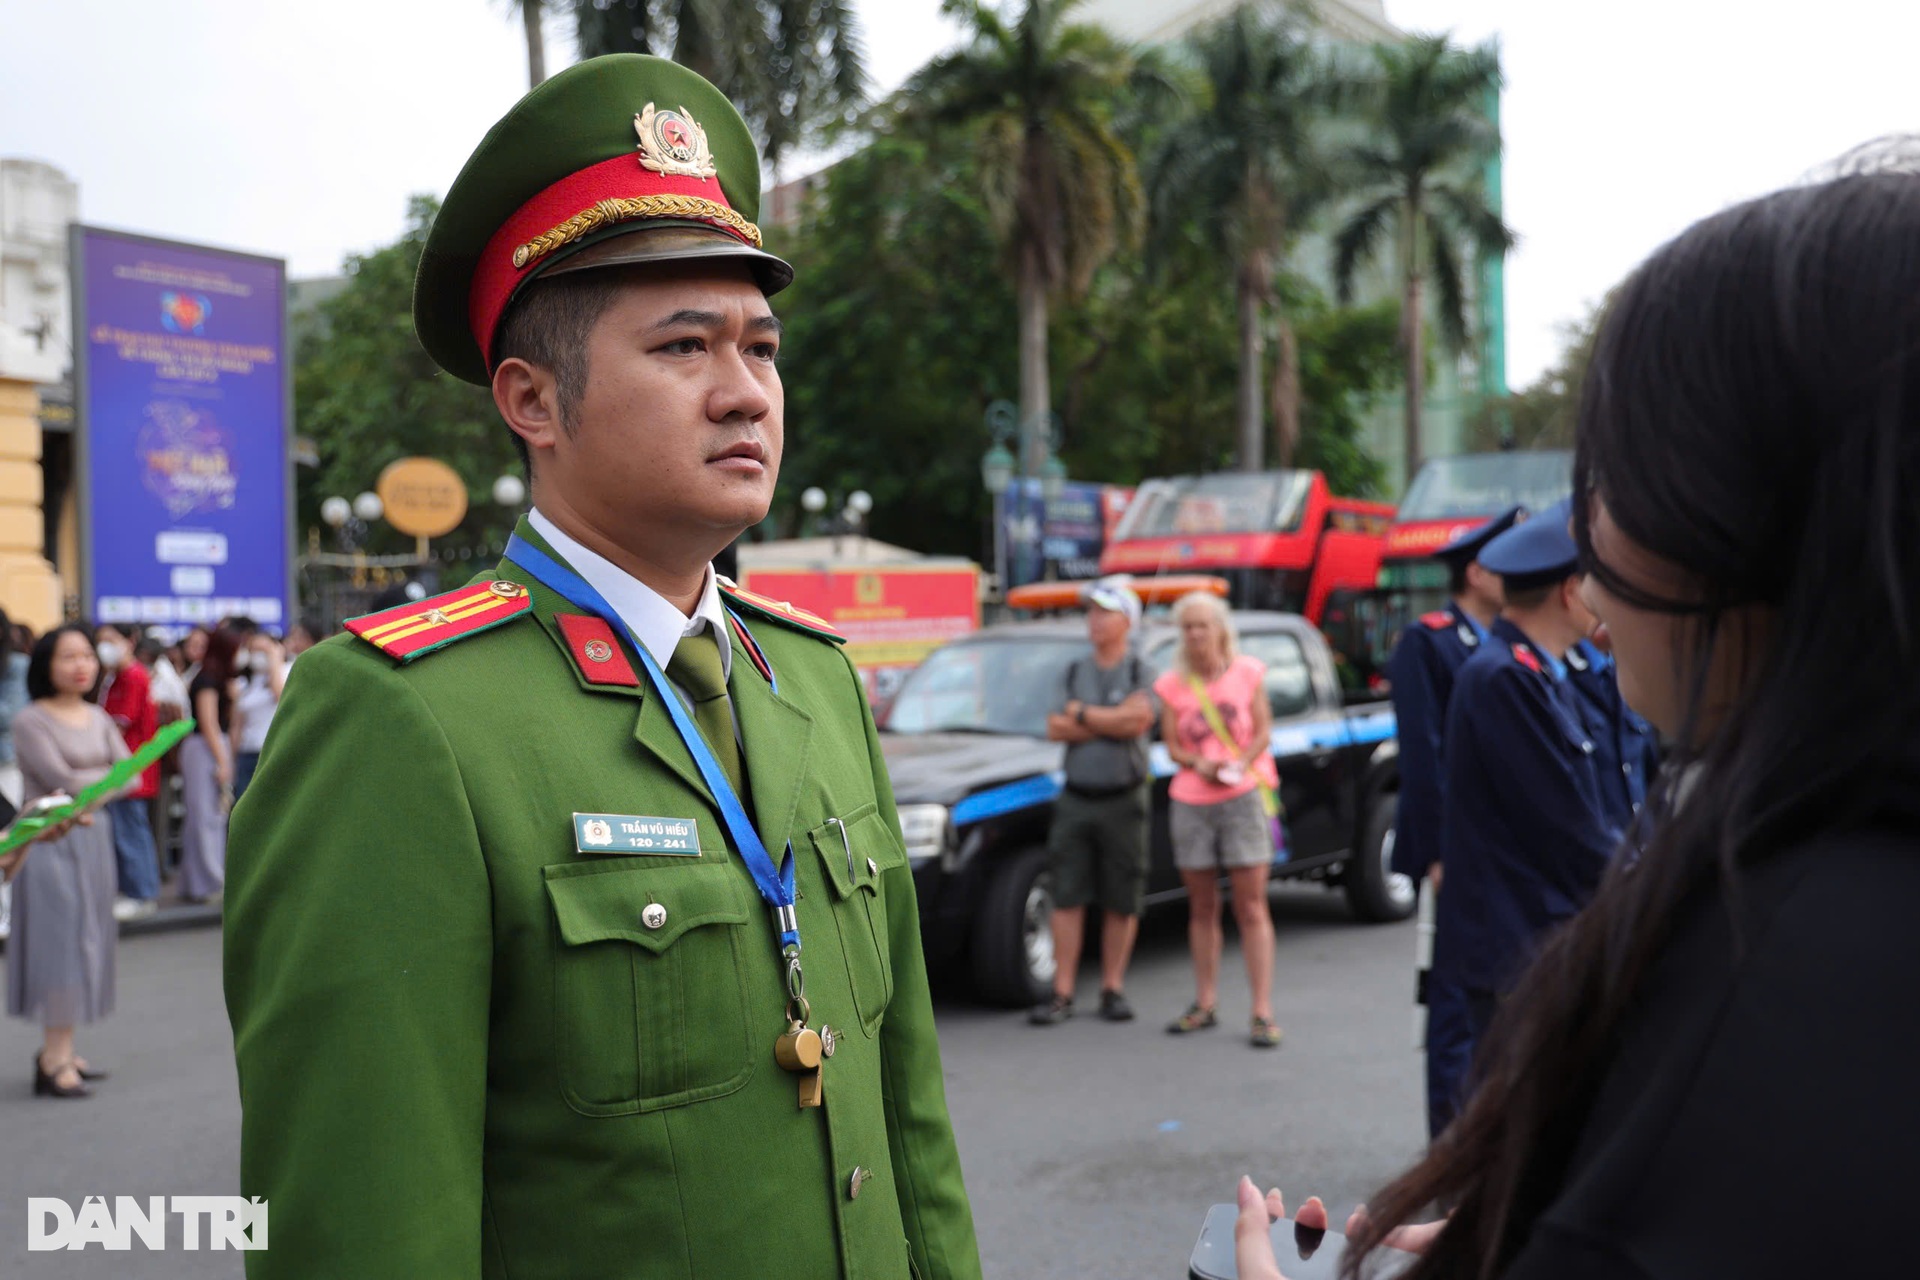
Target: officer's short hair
(548, 325)
(1531, 596)
(1457, 576)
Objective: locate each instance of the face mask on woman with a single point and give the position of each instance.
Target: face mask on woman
(112, 654)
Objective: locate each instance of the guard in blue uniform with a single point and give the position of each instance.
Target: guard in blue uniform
(1526, 831)
(1626, 749)
(1421, 670)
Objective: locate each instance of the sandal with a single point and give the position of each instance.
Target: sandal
(1196, 1018)
(1266, 1034)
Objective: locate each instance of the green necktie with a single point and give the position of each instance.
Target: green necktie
(697, 670)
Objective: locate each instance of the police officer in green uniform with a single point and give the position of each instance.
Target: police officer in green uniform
(569, 928)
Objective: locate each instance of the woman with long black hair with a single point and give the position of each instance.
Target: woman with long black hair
(1715, 1069)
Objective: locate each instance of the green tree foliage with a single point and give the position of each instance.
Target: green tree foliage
(1348, 357)
(1244, 172)
(793, 67)
(1541, 415)
(898, 337)
(366, 393)
(1418, 175)
(1035, 98)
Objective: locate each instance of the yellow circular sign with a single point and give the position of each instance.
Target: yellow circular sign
(424, 497)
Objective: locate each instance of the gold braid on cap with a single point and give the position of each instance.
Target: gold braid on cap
(627, 209)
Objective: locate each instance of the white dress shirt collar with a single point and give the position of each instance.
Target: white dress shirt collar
(648, 614)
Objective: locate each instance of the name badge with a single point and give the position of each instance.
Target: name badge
(631, 833)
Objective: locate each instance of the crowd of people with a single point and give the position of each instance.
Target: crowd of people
(75, 701)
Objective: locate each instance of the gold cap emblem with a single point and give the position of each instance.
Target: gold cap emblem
(672, 143)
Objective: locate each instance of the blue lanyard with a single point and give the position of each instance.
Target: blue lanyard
(774, 886)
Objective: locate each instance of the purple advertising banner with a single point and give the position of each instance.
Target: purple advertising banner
(183, 401)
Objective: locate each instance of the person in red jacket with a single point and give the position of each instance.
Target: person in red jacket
(126, 694)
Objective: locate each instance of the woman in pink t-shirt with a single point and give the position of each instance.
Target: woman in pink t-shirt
(1217, 726)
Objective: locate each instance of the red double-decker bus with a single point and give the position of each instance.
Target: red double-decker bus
(1281, 539)
(1448, 496)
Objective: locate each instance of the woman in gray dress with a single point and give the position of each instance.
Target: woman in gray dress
(60, 958)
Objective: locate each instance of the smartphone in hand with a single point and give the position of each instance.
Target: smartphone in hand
(1305, 1253)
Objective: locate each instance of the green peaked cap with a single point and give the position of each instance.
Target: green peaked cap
(570, 166)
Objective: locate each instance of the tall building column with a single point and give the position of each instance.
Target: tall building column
(30, 591)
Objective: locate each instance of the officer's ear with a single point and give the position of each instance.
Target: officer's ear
(528, 398)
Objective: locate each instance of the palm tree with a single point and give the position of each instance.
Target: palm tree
(531, 12)
(791, 66)
(1244, 172)
(1037, 95)
(1420, 173)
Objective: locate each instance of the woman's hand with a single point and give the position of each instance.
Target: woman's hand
(1252, 1234)
(223, 770)
(10, 864)
(1414, 1237)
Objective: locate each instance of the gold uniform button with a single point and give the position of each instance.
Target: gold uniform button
(507, 590)
(829, 1039)
(654, 916)
(857, 1181)
(873, 868)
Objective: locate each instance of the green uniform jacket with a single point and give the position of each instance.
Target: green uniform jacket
(463, 1054)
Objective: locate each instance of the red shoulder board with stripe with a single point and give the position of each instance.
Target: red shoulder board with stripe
(420, 626)
(1524, 656)
(1436, 621)
(780, 611)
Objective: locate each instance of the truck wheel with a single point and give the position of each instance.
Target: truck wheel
(1013, 960)
(1374, 890)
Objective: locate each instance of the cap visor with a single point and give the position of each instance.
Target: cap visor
(674, 242)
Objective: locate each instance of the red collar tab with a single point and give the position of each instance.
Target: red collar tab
(780, 611)
(418, 627)
(1524, 656)
(599, 196)
(752, 649)
(596, 650)
(1436, 621)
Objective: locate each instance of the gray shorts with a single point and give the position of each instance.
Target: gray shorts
(1232, 833)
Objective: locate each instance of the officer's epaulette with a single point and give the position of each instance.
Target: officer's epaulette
(420, 626)
(1437, 621)
(1524, 656)
(778, 611)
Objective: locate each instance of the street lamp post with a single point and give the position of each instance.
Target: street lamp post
(852, 517)
(997, 473)
(997, 468)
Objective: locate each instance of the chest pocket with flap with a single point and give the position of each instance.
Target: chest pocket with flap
(650, 1006)
(856, 852)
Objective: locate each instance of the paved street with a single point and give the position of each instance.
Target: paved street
(1090, 1149)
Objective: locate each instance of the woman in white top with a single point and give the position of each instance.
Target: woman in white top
(263, 667)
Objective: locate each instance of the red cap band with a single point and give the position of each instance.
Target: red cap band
(572, 208)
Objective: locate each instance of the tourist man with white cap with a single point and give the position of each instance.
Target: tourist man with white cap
(1098, 841)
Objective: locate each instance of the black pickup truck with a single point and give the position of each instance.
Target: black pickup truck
(976, 780)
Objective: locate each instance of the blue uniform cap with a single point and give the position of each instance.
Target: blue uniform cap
(1466, 548)
(1536, 552)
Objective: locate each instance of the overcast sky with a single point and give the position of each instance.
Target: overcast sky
(300, 130)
